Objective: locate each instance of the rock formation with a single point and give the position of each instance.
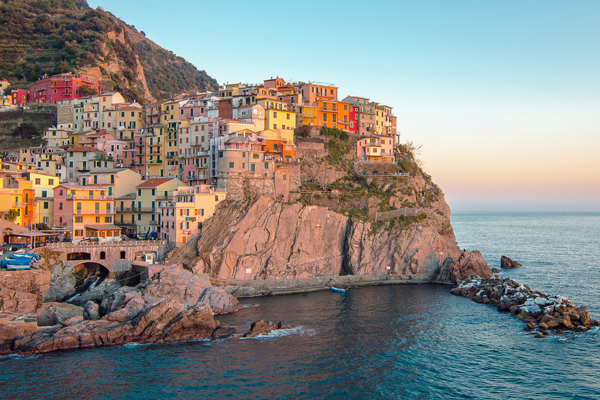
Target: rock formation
(507, 263)
(175, 305)
(273, 240)
(539, 310)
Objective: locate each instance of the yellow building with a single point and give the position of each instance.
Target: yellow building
(148, 195)
(278, 115)
(17, 194)
(307, 115)
(183, 216)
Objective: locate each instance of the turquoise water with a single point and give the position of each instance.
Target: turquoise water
(415, 342)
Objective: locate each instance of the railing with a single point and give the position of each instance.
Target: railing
(164, 196)
(93, 212)
(153, 223)
(135, 209)
(88, 197)
(128, 243)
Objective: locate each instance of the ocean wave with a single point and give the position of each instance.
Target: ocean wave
(299, 330)
(249, 306)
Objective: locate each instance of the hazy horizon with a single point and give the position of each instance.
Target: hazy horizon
(504, 96)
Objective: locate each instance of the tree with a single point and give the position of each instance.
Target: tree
(25, 131)
(88, 90)
(11, 215)
(42, 226)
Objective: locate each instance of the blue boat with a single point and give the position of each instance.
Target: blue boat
(15, 261)
(335, 289)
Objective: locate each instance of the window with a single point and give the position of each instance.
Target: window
(60, 206)
(46, 205)
(78, 220)
(266, 165)
(275, 114)
(38, 181)
(217, 197)
(220, 154)
(255, 156)
(97, 220)
(108, 220)
(44, 193)
(288, 116)
(122, 255)
(139, 192)
(231, 164)
(102, 255)
(252, 167)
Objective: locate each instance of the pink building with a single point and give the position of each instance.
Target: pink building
(375, 149)
(61, 87)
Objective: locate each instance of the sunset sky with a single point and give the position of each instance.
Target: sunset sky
(504, 96)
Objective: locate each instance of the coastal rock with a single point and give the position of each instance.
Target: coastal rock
(507, 263)
(21, 292)
(58, 313)
(175, 306)
(91, 311)
(265, 327)
(62, 284)
(468, 264)
(9, 332)
(536, 308)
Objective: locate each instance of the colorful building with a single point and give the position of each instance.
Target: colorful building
(62, 87)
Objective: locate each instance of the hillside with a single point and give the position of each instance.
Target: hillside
(40, 37)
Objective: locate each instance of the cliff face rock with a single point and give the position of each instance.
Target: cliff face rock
(272, 240)
(175, 305)
(468, 264)
(22, 291)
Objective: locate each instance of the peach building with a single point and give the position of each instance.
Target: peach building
(182, 217)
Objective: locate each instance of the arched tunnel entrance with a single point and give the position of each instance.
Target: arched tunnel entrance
(88, 275)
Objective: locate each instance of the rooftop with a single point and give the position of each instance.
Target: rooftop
(154, 182)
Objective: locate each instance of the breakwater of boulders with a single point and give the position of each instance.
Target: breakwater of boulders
(542, 313)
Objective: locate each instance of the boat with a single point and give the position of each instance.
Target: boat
(336, 289)
(18, 267)
(15, 261)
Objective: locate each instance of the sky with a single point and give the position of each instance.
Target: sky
(503, 96)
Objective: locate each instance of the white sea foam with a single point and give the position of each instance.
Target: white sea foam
(299, 330)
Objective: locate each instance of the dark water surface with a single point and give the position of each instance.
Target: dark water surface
(415, 342)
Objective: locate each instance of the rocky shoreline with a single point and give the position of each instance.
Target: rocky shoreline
(542, 313)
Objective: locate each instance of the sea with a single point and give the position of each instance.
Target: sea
(385, 342)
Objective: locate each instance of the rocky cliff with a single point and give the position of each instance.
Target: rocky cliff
(344, 218)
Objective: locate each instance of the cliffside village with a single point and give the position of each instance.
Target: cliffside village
(110, 167)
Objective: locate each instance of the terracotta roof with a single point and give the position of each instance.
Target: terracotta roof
(154, 182)
(82, 148)
(7, 225)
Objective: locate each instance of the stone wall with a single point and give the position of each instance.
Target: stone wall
(247, 185)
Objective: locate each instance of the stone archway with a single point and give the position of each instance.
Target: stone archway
(89, 275)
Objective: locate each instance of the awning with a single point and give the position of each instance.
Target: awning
(107, 227)
(31, 234)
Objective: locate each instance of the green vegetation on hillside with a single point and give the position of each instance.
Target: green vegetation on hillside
(39, 37)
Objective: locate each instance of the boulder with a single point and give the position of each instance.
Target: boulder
(219, 301)
(91, 311)
(468, 264)
(62, 284)
(58, 313)
(507, 263)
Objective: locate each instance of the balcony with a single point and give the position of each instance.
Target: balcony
(88, 197)
(82, 169)
(157, 161)
(164, 196)
(136, 209)
(93, 212)
(151, 223)
(103, 157)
